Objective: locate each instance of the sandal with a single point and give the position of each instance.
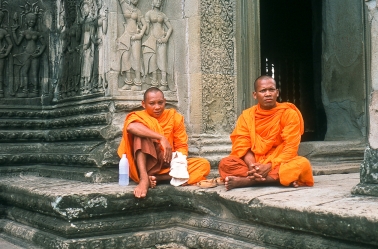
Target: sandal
(219, 181)
(207, 183)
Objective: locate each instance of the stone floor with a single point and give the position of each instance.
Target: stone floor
(4, 244)
(327, 215)
(7, 242)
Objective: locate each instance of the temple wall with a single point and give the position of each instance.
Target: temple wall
(72, 70)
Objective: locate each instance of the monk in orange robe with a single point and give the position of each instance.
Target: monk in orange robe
(149, 138)
(265, 143)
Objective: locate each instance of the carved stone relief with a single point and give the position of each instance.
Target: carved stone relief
(130, 44)
(23, 61)
(83, 26)
(63, 50)
(6, 46)
(217, 40)
(143, 47)
(27, 33)
(30, 45)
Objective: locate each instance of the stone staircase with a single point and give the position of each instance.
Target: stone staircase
(58, 190)
(46, 212)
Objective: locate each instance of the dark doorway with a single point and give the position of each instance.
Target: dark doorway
(291, 53)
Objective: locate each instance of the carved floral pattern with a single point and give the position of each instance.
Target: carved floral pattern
(217, 49)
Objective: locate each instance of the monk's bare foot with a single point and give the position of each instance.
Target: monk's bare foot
(152, 180)
(231, 182)
(294, 184)
(141, 189)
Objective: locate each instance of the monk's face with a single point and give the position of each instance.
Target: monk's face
(266, 93)
(154, 104)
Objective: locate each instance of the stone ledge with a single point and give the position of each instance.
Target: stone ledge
(142, 239)
(83, 174)
(271, 216)
(107, 174)
(186, 229)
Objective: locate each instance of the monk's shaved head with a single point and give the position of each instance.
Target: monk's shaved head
(262, 77)
(152, 90)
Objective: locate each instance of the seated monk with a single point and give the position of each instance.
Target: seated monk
(265, 143)
(149, 138)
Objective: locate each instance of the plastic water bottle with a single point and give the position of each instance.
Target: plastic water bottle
(123, 171)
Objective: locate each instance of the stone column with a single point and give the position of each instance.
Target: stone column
(343, 72)
(369, 168)
(212, 76)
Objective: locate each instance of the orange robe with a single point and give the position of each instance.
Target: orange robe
(171, 125)
(273, 136)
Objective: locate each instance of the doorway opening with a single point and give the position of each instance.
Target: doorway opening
(291, 50)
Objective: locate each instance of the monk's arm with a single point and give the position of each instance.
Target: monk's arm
(141, 130)
(249, 159)
(241, 139)
(291, 136)
(180, 138)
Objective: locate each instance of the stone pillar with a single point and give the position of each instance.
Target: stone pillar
(343, 71)
(213, 88)
(369, 168)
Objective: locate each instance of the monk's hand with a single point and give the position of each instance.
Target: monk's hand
(262, 171)
(252, 170)
(167, 150)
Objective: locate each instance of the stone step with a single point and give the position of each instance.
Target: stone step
(51, 112)
(84, 174)
(333, 152)
(173, 237)
(316, 169)
(56, 213)
(58, 135)
(104, 175)
(65, 134)
(64, 122)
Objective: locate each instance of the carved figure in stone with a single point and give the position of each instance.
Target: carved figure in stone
(5, 48)
(87, 52)
(74, 33)
(60, 87)
(159, 29)
(29, 59)
(102, 28)
(130, 44)
(376, 5)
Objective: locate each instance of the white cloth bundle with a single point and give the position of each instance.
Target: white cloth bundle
(179, 169)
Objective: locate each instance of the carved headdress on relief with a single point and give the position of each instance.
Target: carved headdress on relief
(86, 2)
(93, 9)
(3, 12)
(102, 15)
(162, 4)
(32, 10)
